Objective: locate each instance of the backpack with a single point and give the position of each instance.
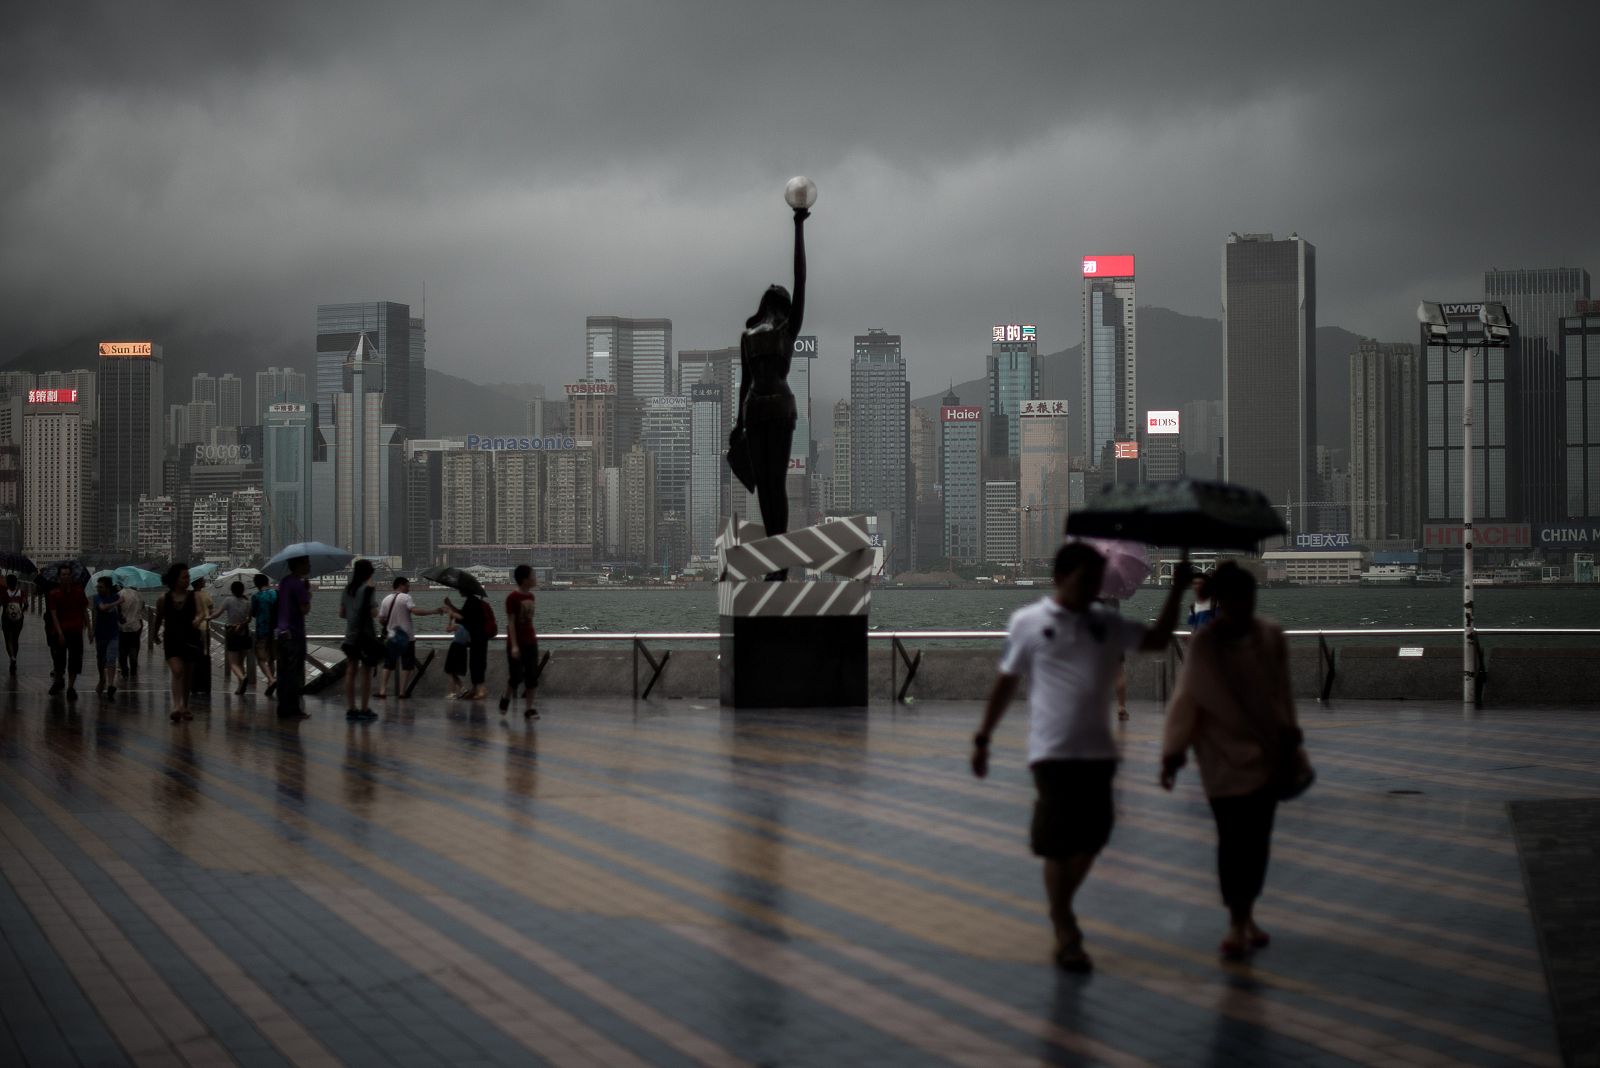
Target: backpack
(491, 629)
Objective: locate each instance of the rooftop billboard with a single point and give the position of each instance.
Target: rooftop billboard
(1117, 266)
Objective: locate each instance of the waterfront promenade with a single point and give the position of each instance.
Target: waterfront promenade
(669, 883)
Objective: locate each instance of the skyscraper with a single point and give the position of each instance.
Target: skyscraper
(1013, 373)
(132, 409)
(416, 421)
(1579, 335)
(393, 371)
(802, 449)
(1002, 545)
(636, 539)
(288, 447)
(668, 437)
(468, 507)
(359, 486)
(1109, 404)
(230, 401)
(636, 354)
(592, 417)
(843, 501)
(1043, 488)
(278, 385)
(706, 461)
(568, 490)
(1494, 494)
(1269, 368)
(1162, 449)
(1385, 444)
(961, 449)
(518, 503)
(57, 472)
(722, 365)
(880, 439)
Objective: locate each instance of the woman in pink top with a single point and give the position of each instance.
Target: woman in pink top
(1232, 704)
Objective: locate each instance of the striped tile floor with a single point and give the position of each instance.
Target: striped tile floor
(670, 883)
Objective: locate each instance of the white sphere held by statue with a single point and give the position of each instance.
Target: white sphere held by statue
(801, 192)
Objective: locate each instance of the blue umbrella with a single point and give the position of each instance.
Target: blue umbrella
(136, 577)
(324, 559)
(199, 571)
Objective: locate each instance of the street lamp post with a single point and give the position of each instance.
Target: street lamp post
(1496, 333)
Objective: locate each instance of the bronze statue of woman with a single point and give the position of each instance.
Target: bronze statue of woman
(763, 432)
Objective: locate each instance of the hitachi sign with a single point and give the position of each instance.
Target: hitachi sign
(963, 414)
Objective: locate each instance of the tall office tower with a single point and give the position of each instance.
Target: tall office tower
(416, 421)
(668, 436)
(723, 367)
(1494, 497)
(518, 507)
(961, 447)
(880, 439)
(1385, 444)
(83, 380)
(208, 526)
(178, 425)
(636, 354)
(707, 446)
(1013, 372)
(1579, 335)
(1331, 514)
(394, 373)
(13, 383)
(1043, 486)
(359, 487)
(158, 529)
(324, 481)
(1162, 449)
(1202, 438)
(131, 412)
(424, 506)
(289, 445)
(592, 417)
(57, 474)
(1002, 544)
(843, 500)
(803, 447)
(569, 497)
(636, 539)
(925, 497)
(203, 387)
(546, 417)
(608, 513)
(230, 400)
(278, 385)
(200, 419)
(1108, 409)
(468, 509)
(1269, 368)
(1536, 299)
(246, 514)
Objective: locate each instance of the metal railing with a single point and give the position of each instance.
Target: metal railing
(904, 658)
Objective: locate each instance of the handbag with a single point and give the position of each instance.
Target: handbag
(1289, 772)
(739, 458)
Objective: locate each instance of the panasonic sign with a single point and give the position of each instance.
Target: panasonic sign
(550, 444)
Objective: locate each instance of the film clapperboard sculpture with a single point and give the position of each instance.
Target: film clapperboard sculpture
(794, 644)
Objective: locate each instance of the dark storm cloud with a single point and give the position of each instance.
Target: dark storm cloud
(530, 164)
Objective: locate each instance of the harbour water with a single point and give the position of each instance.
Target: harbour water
(567, 609)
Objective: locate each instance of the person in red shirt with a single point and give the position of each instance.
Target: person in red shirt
(69, 615)
(522, 643)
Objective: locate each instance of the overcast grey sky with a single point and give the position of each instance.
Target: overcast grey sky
(534, 163)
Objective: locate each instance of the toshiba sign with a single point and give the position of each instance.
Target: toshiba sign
(1160, 422)
(591, 389)
(964, 414)
(1118, 266)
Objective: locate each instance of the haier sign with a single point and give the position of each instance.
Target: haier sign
(964, 414)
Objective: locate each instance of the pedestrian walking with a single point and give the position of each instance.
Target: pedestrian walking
(130, 620)
(1234, 706)
(68, 608)
(363, 650)
(396, 616)
(294, 602)
(234, 611)
(177, 630)
(481, 630)
(264, 617)
(522, 643)
(1203, 610)
(1069, 647)
(107, 635)
(13, 613)
(455, 658)
(200, 672)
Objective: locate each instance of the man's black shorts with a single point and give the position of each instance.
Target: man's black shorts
(522, 671)
(1073, 814)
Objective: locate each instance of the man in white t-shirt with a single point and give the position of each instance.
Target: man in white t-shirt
(1070, 648)
(400, 636)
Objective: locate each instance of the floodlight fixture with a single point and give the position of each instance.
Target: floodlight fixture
(1430, 313)
(1497, 324)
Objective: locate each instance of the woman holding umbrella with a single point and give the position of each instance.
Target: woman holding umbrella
(13, 612)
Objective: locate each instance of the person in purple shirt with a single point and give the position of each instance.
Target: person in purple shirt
(294, 601)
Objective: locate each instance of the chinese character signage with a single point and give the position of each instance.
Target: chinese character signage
(52, 396)
(1127, 450)
(285, 406)
(1119, 266)
(1160, 422)
(1036, 408)
(1015, 332)
(125, 348)
(1322, 541)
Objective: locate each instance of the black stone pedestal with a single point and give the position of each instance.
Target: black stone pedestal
(794, 661)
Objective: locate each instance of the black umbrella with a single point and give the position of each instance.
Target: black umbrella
(1192, 515)
(456, 579)
(65, 571)
(17, 562)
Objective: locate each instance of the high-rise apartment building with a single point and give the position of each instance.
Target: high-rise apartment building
(158, 529)
(1385, 444)
(636, 538)
(592, 416)
(246, 516)
(1579, 335)
(1108, 404)
(199, 420)
(468, 508)
(1043, 485)
(668, 437)
(208, 526)
(1269, 368)
(395, 373)
(635, 354)
(278, 385)
(1494, 494)
(961, 449)
(288, 447)
(568, 489)
(880, 440)
(707, 446)
(57, 477)
(1002, 542)
(230, 401)
(132, 409)
(1013, 374)
(518, 503)
(843, 500)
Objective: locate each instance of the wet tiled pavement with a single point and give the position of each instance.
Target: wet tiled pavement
(669, 883)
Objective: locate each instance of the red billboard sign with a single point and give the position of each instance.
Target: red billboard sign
(1127, 450)
(963, 414)
(1484, 536)
(53, 396)
(1118, 266)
